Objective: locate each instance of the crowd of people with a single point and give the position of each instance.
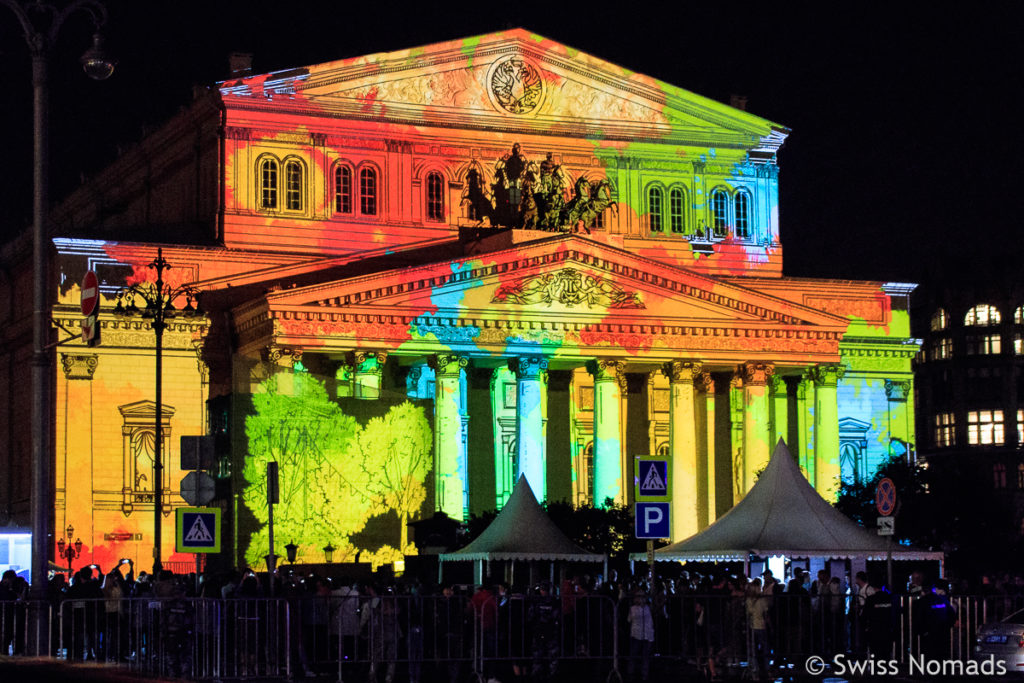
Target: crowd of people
(719, 621)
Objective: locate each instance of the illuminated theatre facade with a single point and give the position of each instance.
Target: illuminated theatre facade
(429, 271)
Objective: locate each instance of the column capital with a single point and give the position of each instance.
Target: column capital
(366, 360)
(897, 390)
(280, 355)
(79, 365)
(827, 375)
(756, 373)
(528, 367)
(775, 383)
(607, 370)
(682, 371)
(705, 382)
(447, 364)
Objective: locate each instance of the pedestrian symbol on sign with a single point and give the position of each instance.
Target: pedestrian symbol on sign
(199, 533)
(653, 483)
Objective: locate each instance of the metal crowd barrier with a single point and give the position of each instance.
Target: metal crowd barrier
(348, 636)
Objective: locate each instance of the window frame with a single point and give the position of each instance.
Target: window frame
(992, 316)
(656, 209)
(343, 196)
(434, 206)
(985, 428)
(372, 199)
(293, 186)
(268, 189)
(677, 210)
(745, 232)
(719, 206)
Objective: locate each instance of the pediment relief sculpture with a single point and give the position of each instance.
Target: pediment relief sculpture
(568, 287)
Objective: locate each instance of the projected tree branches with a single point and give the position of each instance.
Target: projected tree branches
(335, 474)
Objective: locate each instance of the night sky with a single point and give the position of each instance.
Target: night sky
(903, 161)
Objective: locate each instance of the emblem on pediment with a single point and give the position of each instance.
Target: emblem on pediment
(568, 287)
(516, 85)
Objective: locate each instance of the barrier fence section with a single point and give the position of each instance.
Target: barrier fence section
(349, 636)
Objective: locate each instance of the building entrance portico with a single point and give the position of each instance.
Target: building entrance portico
(640, 323)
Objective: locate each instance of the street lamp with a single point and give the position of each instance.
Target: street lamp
(329, 552)
(40, 25)
(69, 550)
(158, 299)
(292, 552)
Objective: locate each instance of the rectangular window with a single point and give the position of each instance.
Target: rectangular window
(945, 430)
(983, 345)
(368, 192)
(985, 428)
(1018, 345)
(675, 210)
(293, 186)
(942, 348)
(1020, 427)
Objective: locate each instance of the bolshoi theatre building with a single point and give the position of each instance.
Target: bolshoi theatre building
(424, 273)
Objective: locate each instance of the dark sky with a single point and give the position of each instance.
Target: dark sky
(906, 141)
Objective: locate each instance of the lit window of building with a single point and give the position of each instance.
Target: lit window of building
(435, 197)
(1020, 427)
(675, 210)
(985, 428)
(939, 321)
(982, 315)
(1018, 315)
(982, 345)
(654, 208)
(945, 430)
(941, 348)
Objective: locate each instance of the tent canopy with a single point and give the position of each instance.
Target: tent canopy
(522, 531)
(782, 514)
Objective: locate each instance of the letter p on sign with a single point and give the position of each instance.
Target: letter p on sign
(652, 520)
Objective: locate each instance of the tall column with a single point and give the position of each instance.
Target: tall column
(779, 409)
(687, 504)
(367, 370)
(805, 425)
(704, 385)
(609, 385)
(826, 429)
(449, 476)
(756, 450)
(530, 446)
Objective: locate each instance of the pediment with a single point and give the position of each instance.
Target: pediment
(509, 78)
(566, 277)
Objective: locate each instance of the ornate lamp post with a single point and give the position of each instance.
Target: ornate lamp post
(158, 306)
(69, 550)
(292, 551)
(40, 24)
(329, 553)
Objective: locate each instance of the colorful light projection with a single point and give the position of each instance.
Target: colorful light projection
(335, 474)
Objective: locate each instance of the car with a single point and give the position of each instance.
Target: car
(1004, 641)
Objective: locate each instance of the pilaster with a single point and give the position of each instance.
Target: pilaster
(450, 476)
(609, 386)
(826, 428)
(688, 495)
(779, 409)
(704, 429)
(530, 441)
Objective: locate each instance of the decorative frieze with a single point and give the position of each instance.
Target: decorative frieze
(569, 287)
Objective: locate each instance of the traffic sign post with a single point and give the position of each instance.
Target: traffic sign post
(197, 530)
(90, 309)
(653, 482)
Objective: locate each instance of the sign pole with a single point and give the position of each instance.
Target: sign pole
(197, 575)
(271, 499)
(650, 567)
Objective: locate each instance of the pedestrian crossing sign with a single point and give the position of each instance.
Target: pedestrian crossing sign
(652, 479)
(197, 530)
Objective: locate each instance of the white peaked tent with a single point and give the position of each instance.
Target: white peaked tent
(521, 531)
(782, 514)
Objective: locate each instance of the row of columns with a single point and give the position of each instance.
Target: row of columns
(761, 420)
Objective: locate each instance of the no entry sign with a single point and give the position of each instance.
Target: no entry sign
(90, 294)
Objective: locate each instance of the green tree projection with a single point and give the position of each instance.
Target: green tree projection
(396, 451)
(334, 474)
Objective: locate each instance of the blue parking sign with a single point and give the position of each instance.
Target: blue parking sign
(652, 520)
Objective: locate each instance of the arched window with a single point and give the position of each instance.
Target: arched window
(268, 183)
(741, 210)
(676, 215)
(654, 208)
(342, 189)
(293, 185)
(368, 191)
(982, 315)
(939, 321)
(435, 197)
(719, 213)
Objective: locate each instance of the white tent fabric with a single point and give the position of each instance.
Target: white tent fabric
(522, 531)
(782, 514)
